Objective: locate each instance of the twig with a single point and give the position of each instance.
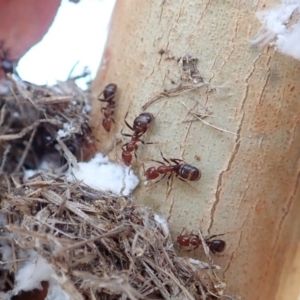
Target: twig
(69, 155)
(54, 100)
(8, 137)
(2, 114)
(25, 152)
(11, 78)
(205, 122)
(170, 93)
(95, 238)
(4, 157)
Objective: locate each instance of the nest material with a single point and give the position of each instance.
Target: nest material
(31, 117)
(102, 246)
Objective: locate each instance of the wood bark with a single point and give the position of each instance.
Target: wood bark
(249, 188)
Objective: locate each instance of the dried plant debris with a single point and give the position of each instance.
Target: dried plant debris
(38, 121)
(94, 245)
(190, 80)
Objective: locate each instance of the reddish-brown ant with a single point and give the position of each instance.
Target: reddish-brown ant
(109, 94)
(83, 145)
(140, 126)
(88, 137)
(214, 245)
(181, 170)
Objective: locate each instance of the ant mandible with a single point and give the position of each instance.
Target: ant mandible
(109, 94)
(214, 245)
(140, 126)
(181, 170)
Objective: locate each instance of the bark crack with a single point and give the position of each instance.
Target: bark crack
(161, 10)
(247, 81)
(220, 179)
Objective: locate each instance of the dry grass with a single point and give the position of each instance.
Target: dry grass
(102, 246)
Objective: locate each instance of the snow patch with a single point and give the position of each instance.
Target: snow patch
(275, 29)
(102, 174)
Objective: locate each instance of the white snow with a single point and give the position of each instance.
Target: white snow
(55, 292)
(66, 131)
(104, 175)
(163, 223)
(276, 30)
(31, 273)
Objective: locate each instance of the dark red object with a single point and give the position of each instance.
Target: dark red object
(182, 170)
(23, 24)
(140, 126)
(215, 246)
(109, 94)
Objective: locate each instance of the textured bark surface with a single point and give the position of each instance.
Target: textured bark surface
(249, 188)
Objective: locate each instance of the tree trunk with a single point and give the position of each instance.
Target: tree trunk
(247, 148)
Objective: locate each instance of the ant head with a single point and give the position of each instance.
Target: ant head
(151, 173)
(141, 123)
(183, 240)
(110, 91)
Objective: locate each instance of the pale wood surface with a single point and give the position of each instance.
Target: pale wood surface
(249, 188)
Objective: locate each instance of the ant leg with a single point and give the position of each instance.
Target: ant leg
(136, 147)
(194, 248)
(183, 229)
(158, 162)
(124, 147)
(111, 97)
(169, 186)
(185, 182)
(164, 158)
(213, 236)
(113, 120)
(103, 100)
(160, 179)
(125, 134)
(127, 122)
(176, 160)
(128, 125)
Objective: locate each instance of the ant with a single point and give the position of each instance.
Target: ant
(181, 170)
(83, 145)
(109, 94)
(140, 126)
(214, 245)
(87, 136)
